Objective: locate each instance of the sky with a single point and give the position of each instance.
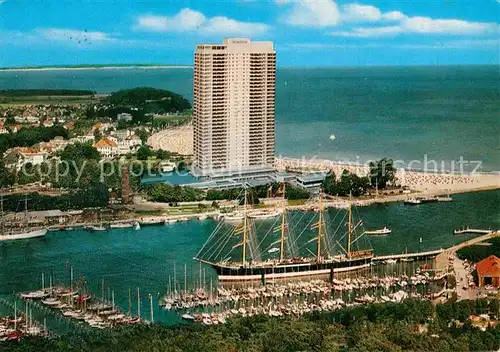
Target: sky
(305, 32)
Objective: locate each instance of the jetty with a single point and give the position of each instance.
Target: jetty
(472, 231)
(408, 255)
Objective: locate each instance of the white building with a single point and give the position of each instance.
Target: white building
(233, 116)
(124, 116)
(106, 147)
(17, 157)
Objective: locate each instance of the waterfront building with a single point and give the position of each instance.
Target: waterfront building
(233, 112)
(488, 271)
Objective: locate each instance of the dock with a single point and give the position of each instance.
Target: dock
(472, 231)
(409, 255)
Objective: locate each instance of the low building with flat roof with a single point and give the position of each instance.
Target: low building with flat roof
(313, 180)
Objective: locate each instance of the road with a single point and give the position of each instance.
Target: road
(463, 289)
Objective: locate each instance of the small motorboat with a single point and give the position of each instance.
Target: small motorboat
(122, 225)
(94, 228)
(233, 217)
(187, 317)
(412, 201)
(384, 231)
(264, 214)
(151, 222)
(170, 221)
(137, 226)
(273, 250)
(332, 137)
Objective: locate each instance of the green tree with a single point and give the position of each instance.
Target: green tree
(80, 151)
(143, 153)
(382, 173)
(142, 134)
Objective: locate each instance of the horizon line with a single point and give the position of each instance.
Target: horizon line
(190, 66)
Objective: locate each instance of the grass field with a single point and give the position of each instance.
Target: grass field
(6, 102)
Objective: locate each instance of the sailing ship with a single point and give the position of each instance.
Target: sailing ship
(330, 255)
(25, 232)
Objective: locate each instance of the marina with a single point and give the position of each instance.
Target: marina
(127, 259)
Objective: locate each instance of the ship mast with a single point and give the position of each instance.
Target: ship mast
(283, 219)
(320, 221)
(245, 221)
(349, 230)
(3, 218)
(26, 211)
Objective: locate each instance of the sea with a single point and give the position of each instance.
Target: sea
(416, 115)
(405, 113)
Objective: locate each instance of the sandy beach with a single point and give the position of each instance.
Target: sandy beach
(432, 183)
(180, 140)
(177, 140)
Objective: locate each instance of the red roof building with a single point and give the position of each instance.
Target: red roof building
(488, 271)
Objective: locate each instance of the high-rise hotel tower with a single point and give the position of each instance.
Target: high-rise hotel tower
(233, 117)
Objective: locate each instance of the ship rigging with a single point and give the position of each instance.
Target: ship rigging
(329, 249)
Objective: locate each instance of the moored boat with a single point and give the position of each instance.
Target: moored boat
(384, 231)
(122, 225)
(25, 232)
(264, 214)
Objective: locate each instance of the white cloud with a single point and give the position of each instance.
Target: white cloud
(488, 44)
(445, 26)
(393, 16)
(423, 25)
(188, 20)
(360, 13)
(366, 32)
(222, 25)
(313, 13)
(326, 13)
(185, 20)
(66, 35)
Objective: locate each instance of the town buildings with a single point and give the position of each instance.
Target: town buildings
(234, 101)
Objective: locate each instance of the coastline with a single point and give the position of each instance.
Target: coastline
(110, 67)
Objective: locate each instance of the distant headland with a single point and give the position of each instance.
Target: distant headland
(91, 67)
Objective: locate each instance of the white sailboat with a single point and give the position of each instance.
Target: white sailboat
(22, 234)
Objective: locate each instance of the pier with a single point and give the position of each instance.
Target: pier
(409, 255)
(472, 231)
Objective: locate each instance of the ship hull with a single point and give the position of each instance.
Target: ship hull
(24, 235)
(228, 274)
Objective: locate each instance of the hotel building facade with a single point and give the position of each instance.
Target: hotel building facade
(234, 107)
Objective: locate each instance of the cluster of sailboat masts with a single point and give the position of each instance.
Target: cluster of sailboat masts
(21, 323)
(295, 297)
(185, 295)
(78, 304)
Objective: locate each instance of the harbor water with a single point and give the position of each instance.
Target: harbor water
(126, 259)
